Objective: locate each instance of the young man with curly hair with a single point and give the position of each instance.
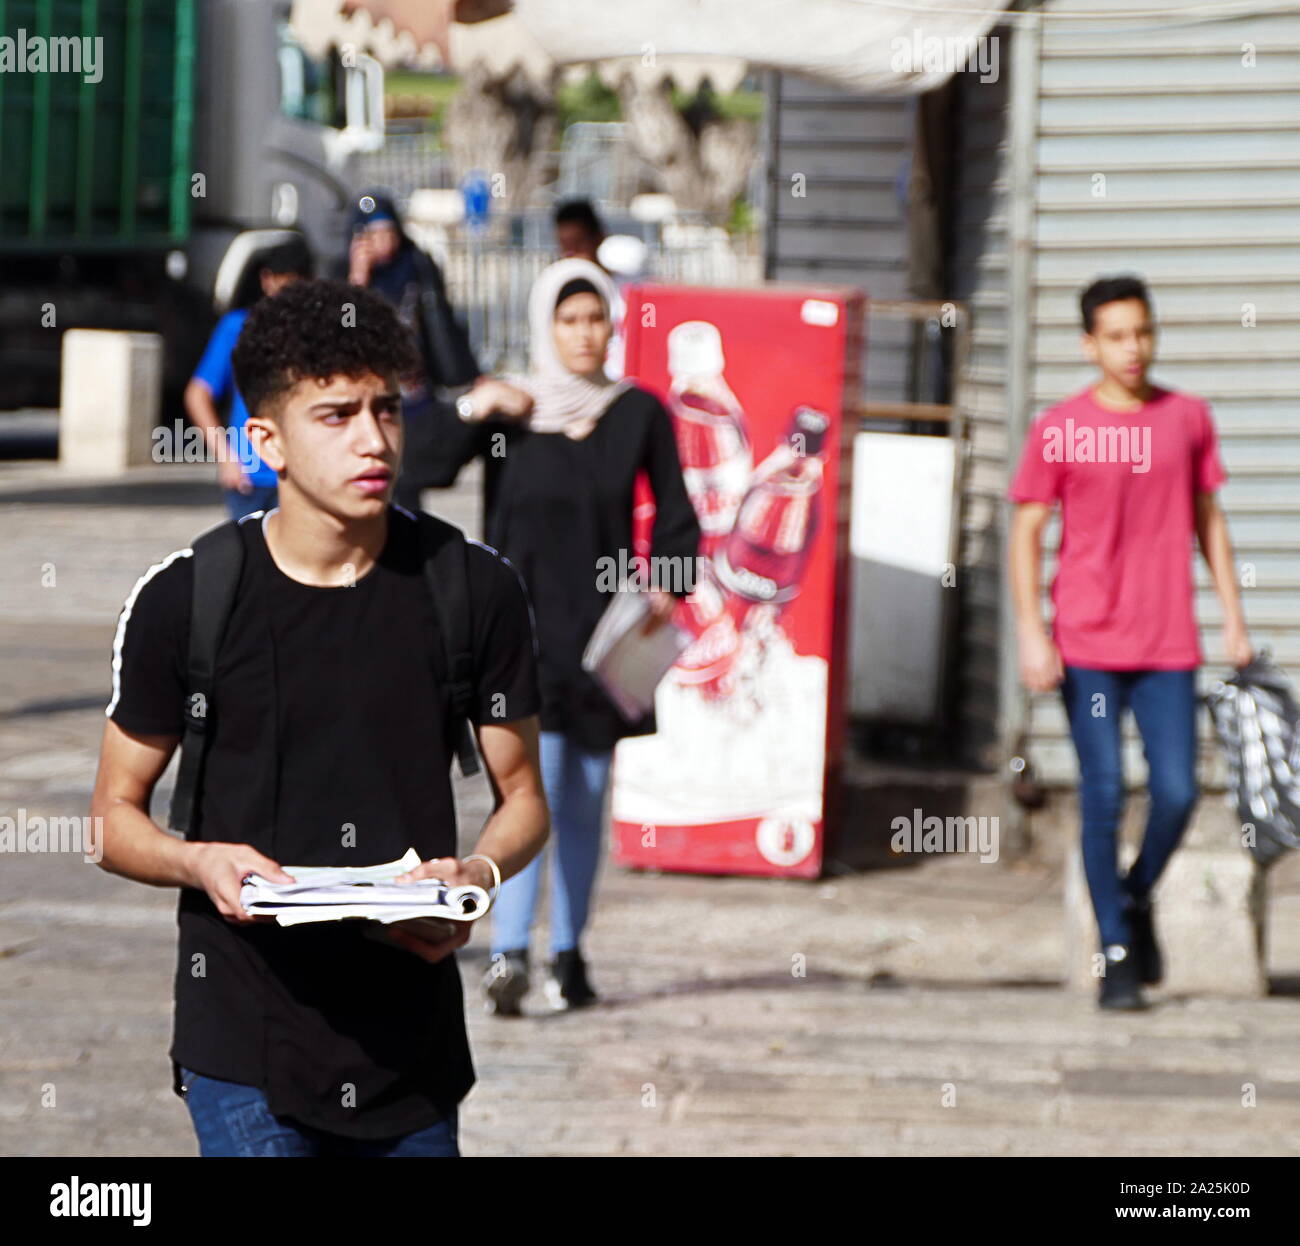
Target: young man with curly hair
(328, 747)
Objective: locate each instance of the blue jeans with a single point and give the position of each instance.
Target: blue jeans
(1164, 705)
(234, 1120)
(259, 498)
(575, 780)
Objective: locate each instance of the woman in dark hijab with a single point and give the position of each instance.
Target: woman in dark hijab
(383, 258)
(562, 446)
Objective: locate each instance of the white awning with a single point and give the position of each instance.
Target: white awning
(508, 45)
(865, 46)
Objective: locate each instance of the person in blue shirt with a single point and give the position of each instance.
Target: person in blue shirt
(249, 485)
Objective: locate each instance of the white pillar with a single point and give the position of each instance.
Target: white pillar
(110, 400)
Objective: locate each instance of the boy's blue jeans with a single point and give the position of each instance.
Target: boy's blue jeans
(233, 1120)
(1164, 705)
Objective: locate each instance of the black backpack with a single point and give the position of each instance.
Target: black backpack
(218, 559)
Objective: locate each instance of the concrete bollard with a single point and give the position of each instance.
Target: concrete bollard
(1210, 920)
(110, 400)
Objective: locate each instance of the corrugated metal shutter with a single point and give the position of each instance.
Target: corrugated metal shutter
(848, 227)
(1199, 152)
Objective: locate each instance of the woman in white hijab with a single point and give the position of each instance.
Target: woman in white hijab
(562, 447)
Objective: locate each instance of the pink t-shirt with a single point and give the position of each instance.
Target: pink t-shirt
(1126, 482)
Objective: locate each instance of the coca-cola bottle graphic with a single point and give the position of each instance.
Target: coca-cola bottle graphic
(756, 572)
(706, 663)
(760, 565)
(712, 443)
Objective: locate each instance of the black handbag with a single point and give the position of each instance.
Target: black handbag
(448, 357)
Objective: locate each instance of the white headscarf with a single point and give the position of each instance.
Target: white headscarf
(563, 401)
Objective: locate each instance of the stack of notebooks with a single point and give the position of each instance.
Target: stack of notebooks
(324, 895)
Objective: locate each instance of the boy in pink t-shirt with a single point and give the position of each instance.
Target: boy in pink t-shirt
(1134, 468)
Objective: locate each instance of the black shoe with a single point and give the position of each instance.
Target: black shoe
(1121, 988)
(1146, 951)
(567, 986)
(506, 983)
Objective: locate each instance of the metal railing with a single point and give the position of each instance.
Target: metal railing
(410, 160)
(488, 281)
(489, 275)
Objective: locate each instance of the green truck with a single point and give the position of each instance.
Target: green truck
(149, 149)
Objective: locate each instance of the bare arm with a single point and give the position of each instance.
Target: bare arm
(1216, 546)
(1041, 668)
(137, 848)
(519, 828)
(134, 845)
(201, 407)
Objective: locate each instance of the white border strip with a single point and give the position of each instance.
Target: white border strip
(125, 618)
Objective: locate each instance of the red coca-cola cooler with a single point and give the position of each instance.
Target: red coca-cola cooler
(742, 776)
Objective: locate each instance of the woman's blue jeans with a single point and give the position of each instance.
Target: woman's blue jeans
(575, 779)
(1164, 705)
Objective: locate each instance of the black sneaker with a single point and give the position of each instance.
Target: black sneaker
(1146, 951)
(506, 983)
(566, 985)
(1121, 988)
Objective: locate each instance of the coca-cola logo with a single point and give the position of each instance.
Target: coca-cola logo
(746, 582)
(785, 841)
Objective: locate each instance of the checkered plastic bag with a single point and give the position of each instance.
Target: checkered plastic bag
(1258, 723)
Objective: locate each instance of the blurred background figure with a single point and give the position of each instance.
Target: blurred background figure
(383, 258)
(248, 484)
(578, 230)
(562, 447)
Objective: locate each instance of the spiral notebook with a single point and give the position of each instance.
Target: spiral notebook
(323, 894)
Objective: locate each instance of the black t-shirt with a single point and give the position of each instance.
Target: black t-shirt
(561, 510)
(328, 749)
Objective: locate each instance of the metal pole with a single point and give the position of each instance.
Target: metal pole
(1026, 44)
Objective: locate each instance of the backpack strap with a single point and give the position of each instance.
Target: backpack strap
(217, 561)
(445, 555)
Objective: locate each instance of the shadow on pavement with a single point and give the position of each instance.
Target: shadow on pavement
(118, 493)
(64, 705)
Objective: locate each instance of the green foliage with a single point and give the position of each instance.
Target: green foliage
(431, 92)
(742, 219)
(589, 100)
(592, 100)
(742, 104)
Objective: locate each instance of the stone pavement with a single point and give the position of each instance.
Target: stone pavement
(902, 1010)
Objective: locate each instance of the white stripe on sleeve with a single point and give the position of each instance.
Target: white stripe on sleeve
(125, 618)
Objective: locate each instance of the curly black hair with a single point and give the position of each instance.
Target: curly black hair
(319, 329)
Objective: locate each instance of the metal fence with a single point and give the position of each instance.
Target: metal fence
(595, 161)
(411, 159)
(489, 275)
(489, 282)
